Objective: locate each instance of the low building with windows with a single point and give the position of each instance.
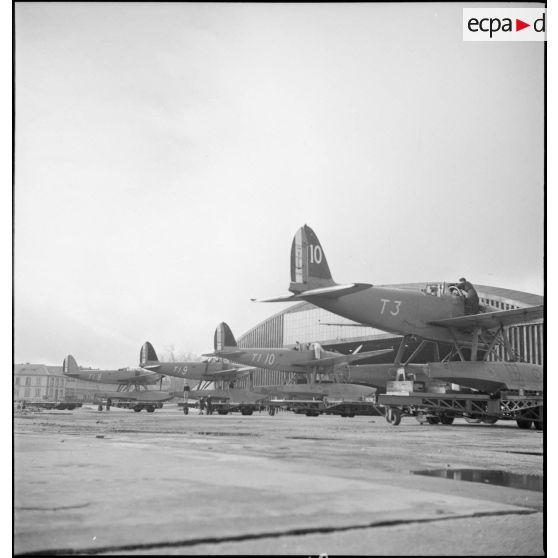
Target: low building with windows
(304, 323)
(40, 383)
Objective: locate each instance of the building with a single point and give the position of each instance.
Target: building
(304, 322)
(39, 383)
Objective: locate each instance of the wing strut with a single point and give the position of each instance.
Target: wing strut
(490, 345)
(452, 330)
(416, 351)
(436, 352)
(507, 345)
(475, 345)
(401, 350)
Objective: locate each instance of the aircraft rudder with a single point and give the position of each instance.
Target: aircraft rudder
(223, 337)
(147, 353)
(69, 366)
(309, 267)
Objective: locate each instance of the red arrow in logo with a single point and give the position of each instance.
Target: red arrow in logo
(519, 25)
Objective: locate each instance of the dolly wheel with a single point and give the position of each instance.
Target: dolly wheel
(445, 419)
(524, 424)
(393, 416)
(185, 410)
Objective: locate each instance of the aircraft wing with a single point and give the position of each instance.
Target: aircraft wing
(343, 324)
(341, 359)
(367, 354)
(493, 320)
(229, 373)
(327, 292)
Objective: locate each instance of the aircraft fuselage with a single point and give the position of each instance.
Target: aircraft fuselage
(282, 359)
(120, 377)
(399, 311)
(188, 370)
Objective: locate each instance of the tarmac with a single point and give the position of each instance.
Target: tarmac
(119, 482)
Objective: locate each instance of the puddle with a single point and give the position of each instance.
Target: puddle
(306, 438)
(526, 452)
(227, 434)
(488, 476)
(77, 506)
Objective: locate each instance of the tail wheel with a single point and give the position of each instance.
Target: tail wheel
(433, 420)
(185, 410)
(490, 420)
(393, 416)
(100, 407)
(524, 424)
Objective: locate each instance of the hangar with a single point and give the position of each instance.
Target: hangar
(306, 323)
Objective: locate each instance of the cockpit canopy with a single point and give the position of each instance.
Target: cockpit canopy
(442, 289)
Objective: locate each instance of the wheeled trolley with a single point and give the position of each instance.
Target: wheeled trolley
(442, 408)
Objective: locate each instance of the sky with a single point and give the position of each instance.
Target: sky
(166, 154)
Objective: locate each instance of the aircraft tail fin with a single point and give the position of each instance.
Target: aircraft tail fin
(223, 337)
(309, 268)
(147, 353)
(69, 366)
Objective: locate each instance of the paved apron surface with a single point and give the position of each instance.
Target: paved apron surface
(121, 482)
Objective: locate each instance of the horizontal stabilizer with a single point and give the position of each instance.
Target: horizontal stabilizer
(493, 320)
(334, 291)
(284, 298)
(225, 353)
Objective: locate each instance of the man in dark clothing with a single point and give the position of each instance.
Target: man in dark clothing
(471, 296)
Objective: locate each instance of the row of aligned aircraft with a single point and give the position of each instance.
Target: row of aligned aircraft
(439, 319)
